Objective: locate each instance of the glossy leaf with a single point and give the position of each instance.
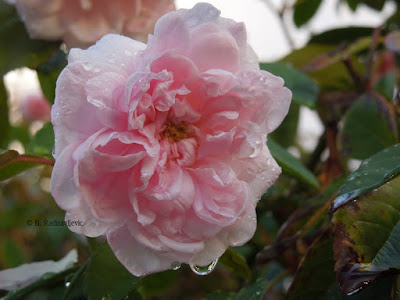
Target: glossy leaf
(315, 274)
(291, 165)
(257, 289)
(17, 49)
(12, 163)
(235, 263)
(303, 88)
(367, 236)
(372, 173)
(368, 127)
(4, 122)
(107, 277)
(304, 10)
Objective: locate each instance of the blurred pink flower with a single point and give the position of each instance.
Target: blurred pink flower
(163, 148)
(80, 23)
(34, 107)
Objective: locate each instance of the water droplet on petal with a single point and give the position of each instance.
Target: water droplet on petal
(87, 66)
(204, 270)
(67, 284)
(176, 265)
(127, 52)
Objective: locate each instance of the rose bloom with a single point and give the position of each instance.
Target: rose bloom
(34, 107)
(80, 23)
(162, 148)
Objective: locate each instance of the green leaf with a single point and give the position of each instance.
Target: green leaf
(303, 88)
(352, 4)
(315, 275)
(291, 165)
(368, 127)
(375, 4)
(12, 163)
(17, 49)
(12, 253)
(286, 133)
(338, 54)
(107, 277)
(367, 236)
(332, 77)
(346, 35)
(48, 73)
(386, 85)
(21, 134)
(158, 283)
(4, 122)
(235, 263)
(219, 295)
(304, 10)
(43, 141)
(74, 283)
(372, 173)
(257, 289)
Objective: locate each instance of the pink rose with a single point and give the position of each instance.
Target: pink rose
(163, 148)
(34, 107)
(80, 23)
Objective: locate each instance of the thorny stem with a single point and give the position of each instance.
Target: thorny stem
(281, 14)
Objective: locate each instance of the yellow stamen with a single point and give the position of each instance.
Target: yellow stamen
(175, 132)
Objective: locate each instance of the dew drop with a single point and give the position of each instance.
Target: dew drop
(128, 53)
(204, 270)
(357, 183)
(96, 70)
(53, 152)
(67, 284)
(176, 265)
(87, 67)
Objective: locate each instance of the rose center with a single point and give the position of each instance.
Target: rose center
(175, 132)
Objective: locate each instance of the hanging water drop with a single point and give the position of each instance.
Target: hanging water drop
(204, 270)
(176, 265)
